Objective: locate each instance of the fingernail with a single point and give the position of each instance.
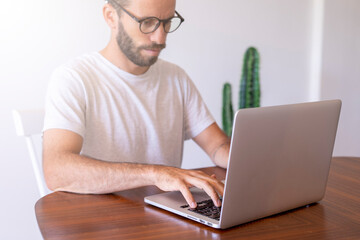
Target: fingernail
(193, 205)
(219, 202)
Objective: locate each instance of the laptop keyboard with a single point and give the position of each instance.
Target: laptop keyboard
(206, 208)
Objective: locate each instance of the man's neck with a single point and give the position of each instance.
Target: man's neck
(113, 54)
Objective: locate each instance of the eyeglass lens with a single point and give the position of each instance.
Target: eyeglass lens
(151, 24)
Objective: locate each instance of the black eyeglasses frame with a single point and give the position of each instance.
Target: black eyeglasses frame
(164, 21)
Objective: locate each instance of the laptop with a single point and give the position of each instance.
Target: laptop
(279, 160)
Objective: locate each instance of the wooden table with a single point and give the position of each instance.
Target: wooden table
(124, 215)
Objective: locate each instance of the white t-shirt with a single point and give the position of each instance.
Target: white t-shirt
(124, 117)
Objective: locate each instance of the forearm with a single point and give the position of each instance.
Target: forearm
(79, 174)
(75, 173)
(215, 143)
(66, 170)
(220, 155)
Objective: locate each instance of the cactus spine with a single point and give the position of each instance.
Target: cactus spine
(249, 94)
(227, 110)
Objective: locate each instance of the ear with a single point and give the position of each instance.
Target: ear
(110, 15)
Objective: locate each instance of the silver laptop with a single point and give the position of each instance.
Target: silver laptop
(279, 160)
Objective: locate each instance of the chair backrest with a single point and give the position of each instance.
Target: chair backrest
(29, 124)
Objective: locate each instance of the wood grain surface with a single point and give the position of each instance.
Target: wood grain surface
(124, 215)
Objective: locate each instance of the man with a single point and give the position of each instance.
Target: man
(117, 119)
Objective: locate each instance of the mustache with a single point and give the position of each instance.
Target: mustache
(154, 46)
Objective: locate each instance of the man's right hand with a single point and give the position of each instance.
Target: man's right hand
(176, 179)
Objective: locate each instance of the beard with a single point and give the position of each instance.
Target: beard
(132, 52)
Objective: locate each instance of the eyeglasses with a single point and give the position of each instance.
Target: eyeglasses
(150, 24)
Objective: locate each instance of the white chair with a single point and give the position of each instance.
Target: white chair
(29, 124)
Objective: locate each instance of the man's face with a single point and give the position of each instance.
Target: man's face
(133, 52)
(143, 49)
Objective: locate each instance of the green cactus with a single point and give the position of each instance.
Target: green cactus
(249, 94)
(227, 110)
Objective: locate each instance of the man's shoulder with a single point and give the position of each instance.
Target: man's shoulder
(81, 63)
(81, 68)
(78, 71)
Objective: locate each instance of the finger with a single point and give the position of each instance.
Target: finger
(218, 185)
(203, 175)
(188, 196)
(208, 188)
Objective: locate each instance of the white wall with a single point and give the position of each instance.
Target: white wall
(211, 43)
(38, 35)
(341, 70)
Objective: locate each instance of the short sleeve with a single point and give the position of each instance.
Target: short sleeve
(197, 116)
(65, 102)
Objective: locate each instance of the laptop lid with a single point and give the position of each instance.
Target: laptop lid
(279, 160)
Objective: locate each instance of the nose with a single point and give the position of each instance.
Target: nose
(159, 35)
